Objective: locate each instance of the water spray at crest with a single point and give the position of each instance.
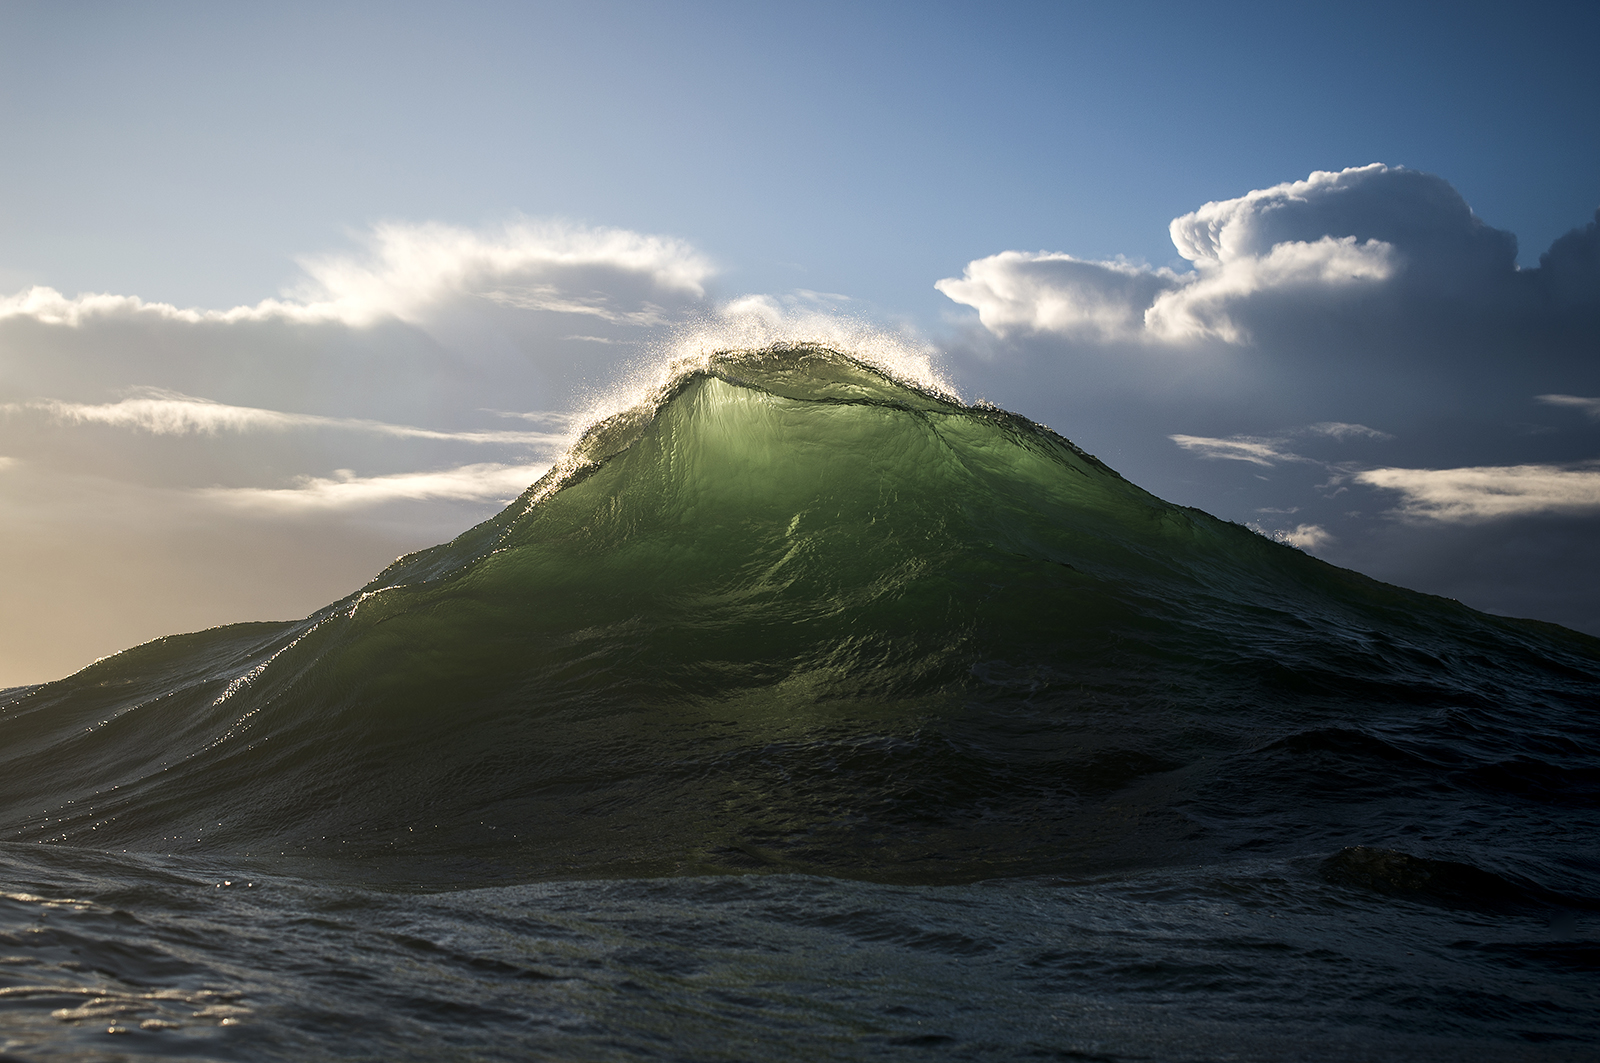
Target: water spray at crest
(746, 325)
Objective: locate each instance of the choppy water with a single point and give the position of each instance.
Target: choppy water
(806, 713)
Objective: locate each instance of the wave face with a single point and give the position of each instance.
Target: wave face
(793, 614)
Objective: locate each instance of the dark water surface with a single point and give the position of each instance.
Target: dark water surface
(805, 713)
(109, 957)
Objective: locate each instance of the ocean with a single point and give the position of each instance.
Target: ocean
(805, 711)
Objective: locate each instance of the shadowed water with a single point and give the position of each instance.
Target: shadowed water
(1036, 763)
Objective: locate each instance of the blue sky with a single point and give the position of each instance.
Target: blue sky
(189, 151)
(216, 156)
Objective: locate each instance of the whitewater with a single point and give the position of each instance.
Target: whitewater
(803, 710)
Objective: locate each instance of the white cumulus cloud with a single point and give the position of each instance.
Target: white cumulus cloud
(1019, 291)
(1208, 305)
(1418, 213)
(1300, 245)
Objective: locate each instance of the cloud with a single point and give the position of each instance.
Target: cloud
(1587, 405)
(1570, 270)
(483, 482)
(52, 308)
(1018, 291)
(1211, 304)
(408, 268)
(405, 270)
(1489, 492)
(161, 412)
(596, 339)
(1418, 214)
(1374, 309)
(1341, 431)
(1257, 451)
(553, 299)
(154, 440)
(1330, 241)
(1117, 301)
(1269, 450)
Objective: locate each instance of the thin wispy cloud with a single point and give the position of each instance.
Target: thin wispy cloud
(597, 339)
(1257, 451)
(1341, 431)
(1463, 495)
(483, 482)
(545, 417)
(1590, 406)
(550, 298)
(1480, 493)
(1270, 450)
(822, 298)
(160, 412)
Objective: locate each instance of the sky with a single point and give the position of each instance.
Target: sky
(287, 290)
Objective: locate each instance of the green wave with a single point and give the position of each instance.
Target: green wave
(792, 613)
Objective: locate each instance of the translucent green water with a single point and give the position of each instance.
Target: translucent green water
(792, 614)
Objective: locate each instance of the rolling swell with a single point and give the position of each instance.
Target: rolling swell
(796, 615)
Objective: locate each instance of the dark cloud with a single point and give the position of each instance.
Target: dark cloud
(1569, 273)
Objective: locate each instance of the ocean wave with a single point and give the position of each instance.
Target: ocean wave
(786, 608)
